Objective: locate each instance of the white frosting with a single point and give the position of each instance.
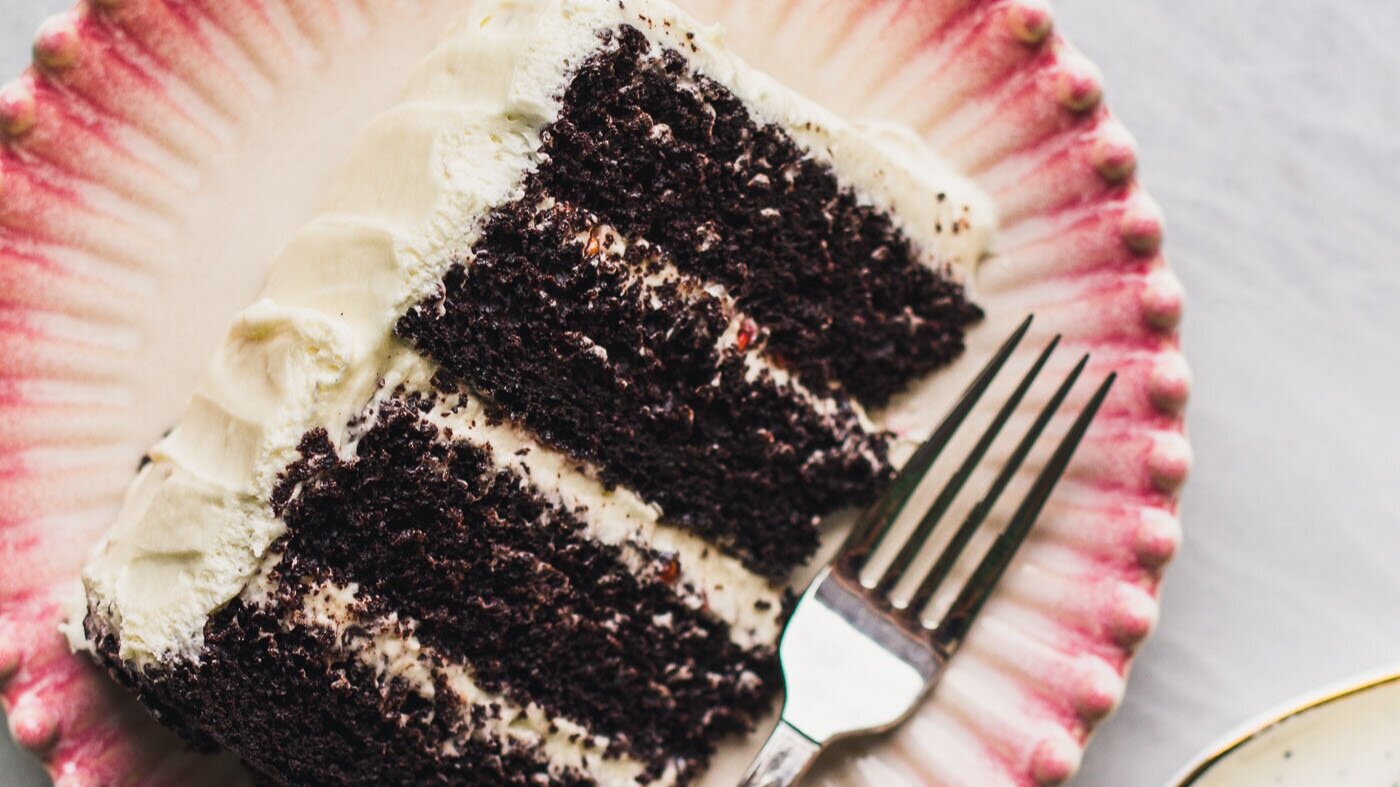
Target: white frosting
(196, 524)
(196, 527)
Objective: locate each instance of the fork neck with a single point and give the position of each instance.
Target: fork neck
(783, 759)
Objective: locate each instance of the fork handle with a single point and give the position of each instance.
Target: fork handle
(783, 759)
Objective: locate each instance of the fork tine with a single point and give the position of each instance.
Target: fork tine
(953, 627)
(913, 545)
(950, 554)
(875, 522)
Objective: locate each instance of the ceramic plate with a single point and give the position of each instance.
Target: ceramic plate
(1348, 734)
(159, 151)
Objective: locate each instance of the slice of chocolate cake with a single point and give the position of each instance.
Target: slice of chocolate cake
(502, 480)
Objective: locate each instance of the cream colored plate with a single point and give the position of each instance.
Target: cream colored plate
(159, 152)
(1344, 736)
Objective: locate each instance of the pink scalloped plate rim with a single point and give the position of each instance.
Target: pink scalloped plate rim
(158, 152)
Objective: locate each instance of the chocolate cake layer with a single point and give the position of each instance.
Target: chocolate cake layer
(602, 350)
(301, 712)
(674, 157)
(496, 577)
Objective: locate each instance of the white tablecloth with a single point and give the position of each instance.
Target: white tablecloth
(1270, 132)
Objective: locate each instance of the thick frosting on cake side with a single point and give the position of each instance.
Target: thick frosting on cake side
(507, 468)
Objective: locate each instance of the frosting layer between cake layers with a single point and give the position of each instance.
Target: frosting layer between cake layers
(501, 480)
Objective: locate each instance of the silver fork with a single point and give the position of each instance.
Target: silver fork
(855, 659)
